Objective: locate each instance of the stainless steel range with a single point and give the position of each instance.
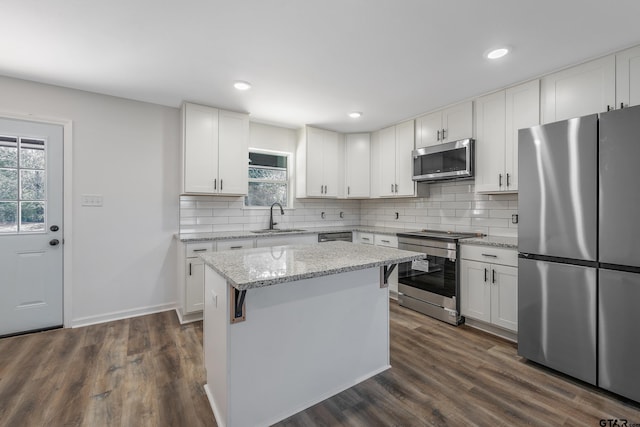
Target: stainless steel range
(432, 286)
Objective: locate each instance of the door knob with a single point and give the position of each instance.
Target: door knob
(54, 228)
(54, 242)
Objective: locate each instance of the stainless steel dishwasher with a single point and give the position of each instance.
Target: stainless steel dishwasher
(343, 236)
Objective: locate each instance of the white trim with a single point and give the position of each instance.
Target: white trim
(216, 412)
(123, 314)
(67, 191)
(188, 318)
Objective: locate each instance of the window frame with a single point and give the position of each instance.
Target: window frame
(288, 182)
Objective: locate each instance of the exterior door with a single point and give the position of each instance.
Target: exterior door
(31, 232)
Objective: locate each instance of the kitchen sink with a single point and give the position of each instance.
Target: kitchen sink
(277, 230)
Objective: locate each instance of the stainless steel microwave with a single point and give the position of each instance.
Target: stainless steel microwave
(451, 160)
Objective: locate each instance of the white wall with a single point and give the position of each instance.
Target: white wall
(124, 259)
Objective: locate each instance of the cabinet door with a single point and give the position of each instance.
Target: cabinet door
(388, 161)
(405, 143)
(428, 129)
(504, 296)
(490, 143)
(628, 77)
(233, 153)
(200, 148)
(194, 289)
(331, 164)
(523, 111)
(314, 162)
(376, 165)
(475, 290)
(586, 89)
(357, 164)
(457, 122)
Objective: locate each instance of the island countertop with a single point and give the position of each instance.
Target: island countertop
(255, 268)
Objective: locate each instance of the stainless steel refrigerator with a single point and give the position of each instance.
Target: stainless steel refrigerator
(579, 244)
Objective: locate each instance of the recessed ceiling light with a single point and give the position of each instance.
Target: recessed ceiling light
(497, 53)
(242, 85)
(355, 114)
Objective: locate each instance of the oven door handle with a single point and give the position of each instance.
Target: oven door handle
(443, 253)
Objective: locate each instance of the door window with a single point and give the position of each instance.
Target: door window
(22, 185)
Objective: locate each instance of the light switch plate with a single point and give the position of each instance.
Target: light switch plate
(91, 200)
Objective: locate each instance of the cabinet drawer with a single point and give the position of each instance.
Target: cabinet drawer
(225, 245)
(363, 238)
(386, 240)
(490, 254)
(194, 248)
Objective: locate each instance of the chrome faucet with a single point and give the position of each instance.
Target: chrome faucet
(271, 223)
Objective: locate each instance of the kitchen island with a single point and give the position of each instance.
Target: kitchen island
(286, 327)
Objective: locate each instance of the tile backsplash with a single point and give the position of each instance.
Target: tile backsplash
(201, 214)
(450, 206)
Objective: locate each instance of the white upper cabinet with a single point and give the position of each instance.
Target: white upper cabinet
(450, 124)
(376, 166)
(628, 78)
(395, 161)
(215, 146)
(585, 89)
(357, 164)
(498, 118)
(319, 164)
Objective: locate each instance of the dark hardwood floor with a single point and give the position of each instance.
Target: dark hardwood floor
(147, 371)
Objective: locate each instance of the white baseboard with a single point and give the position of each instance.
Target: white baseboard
(216, 413)
(119, 315)
(188, 318)
(495, 330)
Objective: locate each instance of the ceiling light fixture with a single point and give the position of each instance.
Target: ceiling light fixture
(242, 85)
(497, 53)
(355, 114)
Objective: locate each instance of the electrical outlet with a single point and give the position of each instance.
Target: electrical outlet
(91, 200)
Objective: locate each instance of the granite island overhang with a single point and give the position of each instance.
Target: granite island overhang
(286, 327)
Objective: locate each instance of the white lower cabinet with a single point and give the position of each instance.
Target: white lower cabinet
(489, 285)
(381, 240)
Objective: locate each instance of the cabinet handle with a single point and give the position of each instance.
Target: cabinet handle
(438, 136)
(325, 189)
(396, 188)
(392, 188)
(385, 241)
(621, 105)
(508, 176)
(348, 190)
(189, 269)
(485, 275)
(499, 180)
(365, 238)
(443, 134)
(215, 184)
(235, 247)
(490, 255)
(220, 185)
(322, 189)
(199, 250)
(609, 108)
(493, 276)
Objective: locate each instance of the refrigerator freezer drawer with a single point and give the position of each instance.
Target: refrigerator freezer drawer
(557, 316)
(618, 339)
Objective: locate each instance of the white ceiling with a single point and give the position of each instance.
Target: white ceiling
(310, 61)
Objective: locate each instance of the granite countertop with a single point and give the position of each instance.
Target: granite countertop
(255, 268)
(225, 235)
(502, 242)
